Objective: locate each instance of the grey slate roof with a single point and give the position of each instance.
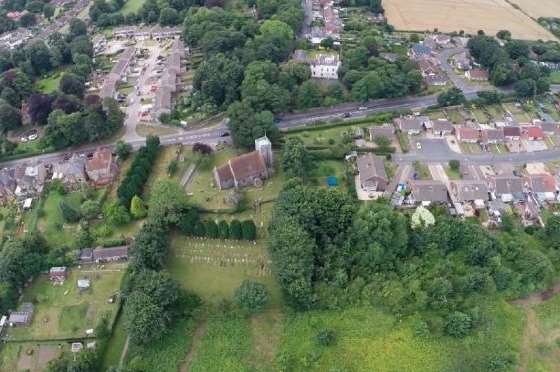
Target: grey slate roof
(429, 191)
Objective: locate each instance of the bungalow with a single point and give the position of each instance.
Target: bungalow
(468, 135)
(431, 72)
(493, 136)
(372, 175)
(508, 188)
(442, 127)
(550, 129)
(427, 192)
(470, 191)
(387, 131)
(112, 254)
(477, 74)
(58, 274)
(534, 133)
(512, 133)
(412, 125)
(462, 61)
(543, 186)
(23, 316)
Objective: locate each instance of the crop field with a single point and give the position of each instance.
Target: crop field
(62, 311)
(539, 8)
(467, 15)
(213, 269)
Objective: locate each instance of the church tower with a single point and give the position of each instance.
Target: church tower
(264, 147)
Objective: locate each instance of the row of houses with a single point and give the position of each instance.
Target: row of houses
(170, 80)
(428, 64)
(28, 181)
(142, 33)
(118, 73)
(326, 21)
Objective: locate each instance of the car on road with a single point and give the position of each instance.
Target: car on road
(225, 134)
(33, 137)
(362, 108)
(347, 115)
(418, 145)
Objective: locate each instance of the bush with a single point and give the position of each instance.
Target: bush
(211, 229)
(223, 230)
(326, 337)
(138, 208)
(69, 214)
(235, 230)
(251, 297)
(458, 324)
(248, 230)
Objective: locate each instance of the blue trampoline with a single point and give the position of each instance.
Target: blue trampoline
(332, 181)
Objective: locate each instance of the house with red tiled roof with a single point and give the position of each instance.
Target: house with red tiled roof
(466, 134)
(534, 133)
(249, 169)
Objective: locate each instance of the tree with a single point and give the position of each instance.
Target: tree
(39, 106)
(138, 208)
(10, 117)
(454, 165)
(115, 214)
(48, 11)
(145, 319)
(517, 49)
(382, 142)
(77, 28)
(296, 160)
(248, 230)
(327, 43)
(150, 248)
(451, 97)
(168, 17)
(235, 230)
(90, 209)
(168, 203)
(246, 125)
(458, 324)
(172, 167)
(504, 35)
(123, 150)
(309, 95)
(202, 148)
(211, 229)
(28, 20)
(39, 57)
(69, 214)
(525, 88)
(223, 229)
(251, 297)
(71, 84)
(376, 6)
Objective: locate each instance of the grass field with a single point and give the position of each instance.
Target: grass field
(328, 137)
(518, 113)
(132, 6)
(49, 84)
(470, 16)
(371, 340)
(63, 311)
(213, 269)
(51, 223)
(540, 8)
(544, 327)
(28, 357)
(116, 344)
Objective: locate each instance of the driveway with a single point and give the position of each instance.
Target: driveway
(459, 81)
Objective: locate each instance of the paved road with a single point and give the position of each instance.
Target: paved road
(437, 151)
(458, 81)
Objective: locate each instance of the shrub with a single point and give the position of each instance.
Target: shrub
(235, 230)
(458, 324)
(326, 337)
(69, 214)
(251, 297)
(223, 230)
(248, 230)
(211, 229)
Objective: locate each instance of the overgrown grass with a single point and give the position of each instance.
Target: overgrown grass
(226, 346)
(132, 6)
(116, 344)
(544, 352)
(370, 340)
(166, 354)
(49, 84)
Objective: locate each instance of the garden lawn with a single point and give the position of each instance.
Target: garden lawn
(30, 357)
(324, 169)
(63, 311)
(329, 137)
(49, 84)
(214, 269)
(518, 113)
(370, 340)
(555, 77)
(455, 117)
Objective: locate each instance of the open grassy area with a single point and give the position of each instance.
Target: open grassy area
(213, 269)
(29, 357)
(470, 148)
(480, 116)
(544, 343)
(453, 174)
(116, 344)
(145, 130)
(226, 346)
(518, 113)
(496, 111)
(51, 223)
(132, 6)
(555, 77)
(455, 117)
(329, 137)
(371, 340)
(49, 84)
(63, 311)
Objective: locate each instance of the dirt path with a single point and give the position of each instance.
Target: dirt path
(538, 298)
(197, 338)
(530, 334)
(124, 351)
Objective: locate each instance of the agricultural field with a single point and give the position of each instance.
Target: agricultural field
(469, 16)
(368, 339)
(540, 8)
(214, 268)
(62, 311)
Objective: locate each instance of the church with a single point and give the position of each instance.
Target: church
(249, 169)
